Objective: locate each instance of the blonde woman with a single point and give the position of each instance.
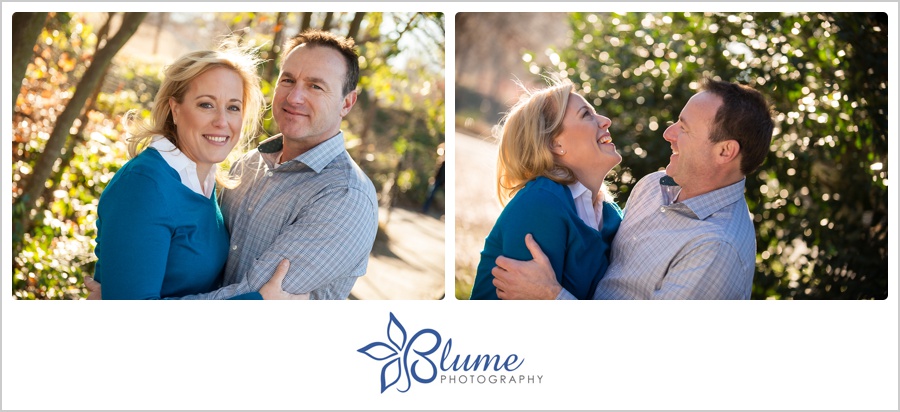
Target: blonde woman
(160, 233)
(555, 152)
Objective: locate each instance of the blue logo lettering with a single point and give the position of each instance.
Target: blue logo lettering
(397, 354)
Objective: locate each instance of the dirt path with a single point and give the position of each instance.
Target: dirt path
(477, 207)
(408, 263)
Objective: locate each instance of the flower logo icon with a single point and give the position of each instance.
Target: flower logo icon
(396, 354)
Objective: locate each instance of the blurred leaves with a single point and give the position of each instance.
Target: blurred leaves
(820, 201)
(51, 259)
(402, 73)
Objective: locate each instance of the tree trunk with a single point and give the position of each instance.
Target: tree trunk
(462, 56)
(34, 185)
(371, 100)
(277, 41)
(26, 27)
(103, 33)
(78, 138)
(159, 30)
(326, 25)
(355, 24)
(305, 21)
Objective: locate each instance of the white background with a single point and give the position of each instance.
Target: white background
(596, 355)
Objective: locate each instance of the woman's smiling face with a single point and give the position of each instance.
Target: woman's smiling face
(584, 144)
(208, 119)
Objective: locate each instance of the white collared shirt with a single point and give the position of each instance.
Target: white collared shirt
(185, 167)
(590, 214)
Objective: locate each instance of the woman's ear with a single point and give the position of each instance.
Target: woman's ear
(173, 108)
(557, 148)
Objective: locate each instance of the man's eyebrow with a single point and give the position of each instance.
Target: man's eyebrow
(310, 79)
(315, 80)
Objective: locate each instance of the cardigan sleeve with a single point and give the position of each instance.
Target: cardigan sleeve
(540, 213)
(134, 236)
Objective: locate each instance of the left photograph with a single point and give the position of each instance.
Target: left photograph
(246, 156)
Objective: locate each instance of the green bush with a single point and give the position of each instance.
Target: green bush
(820, 200)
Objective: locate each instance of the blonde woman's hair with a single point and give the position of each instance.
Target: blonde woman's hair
(526, 136)
(178, 77)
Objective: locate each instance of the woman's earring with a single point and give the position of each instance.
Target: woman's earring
(562, 152)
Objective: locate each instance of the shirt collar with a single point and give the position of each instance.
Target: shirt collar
(708, 203)
(316, 158)
(587, 211)
(186, 168)
(577, 189)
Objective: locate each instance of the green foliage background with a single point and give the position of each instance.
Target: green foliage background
(820, 200)
(398, 151)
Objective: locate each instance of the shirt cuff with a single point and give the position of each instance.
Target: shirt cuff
(565, 295)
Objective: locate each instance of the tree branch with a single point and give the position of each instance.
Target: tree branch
(34, 185)
(26, 29)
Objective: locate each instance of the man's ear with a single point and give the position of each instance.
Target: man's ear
(727, 151)
(349, 101)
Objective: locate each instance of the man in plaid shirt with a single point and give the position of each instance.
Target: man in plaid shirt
(301, 198)
(687, 232)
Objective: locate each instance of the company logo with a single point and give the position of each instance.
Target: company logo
(416, 360)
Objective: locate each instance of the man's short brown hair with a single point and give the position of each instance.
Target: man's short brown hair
(345, 46)
(744, 117)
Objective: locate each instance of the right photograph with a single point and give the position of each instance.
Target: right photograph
(711, 156)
